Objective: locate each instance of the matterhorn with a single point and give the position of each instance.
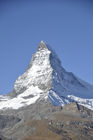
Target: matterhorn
(46, 79)
(47, 102)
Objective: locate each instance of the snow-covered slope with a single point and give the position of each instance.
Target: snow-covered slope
(45, 79)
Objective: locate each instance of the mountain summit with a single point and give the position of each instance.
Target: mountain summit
(45, 79)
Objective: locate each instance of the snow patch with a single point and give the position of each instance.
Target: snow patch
(88, 103)
(20, 101)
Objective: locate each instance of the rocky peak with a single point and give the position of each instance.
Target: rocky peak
(42, 45)
(45, 78)
(38, 73)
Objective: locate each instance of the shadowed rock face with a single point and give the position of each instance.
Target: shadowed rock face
(3, 138)
(8, 121)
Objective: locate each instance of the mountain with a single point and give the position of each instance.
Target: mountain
(44, 79)
(47, 103)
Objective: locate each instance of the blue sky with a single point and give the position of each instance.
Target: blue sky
(67, 25)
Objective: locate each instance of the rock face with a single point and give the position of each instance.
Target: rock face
(45, 78)
(38, 73)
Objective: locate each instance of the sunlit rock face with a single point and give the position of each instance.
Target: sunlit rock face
(38, 72)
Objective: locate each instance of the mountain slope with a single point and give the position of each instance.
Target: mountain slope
(46, 78)
(42, 121)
